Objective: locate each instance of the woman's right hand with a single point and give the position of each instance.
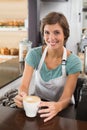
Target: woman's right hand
(19, 99)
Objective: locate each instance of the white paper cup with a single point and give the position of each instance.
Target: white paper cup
(30, 104)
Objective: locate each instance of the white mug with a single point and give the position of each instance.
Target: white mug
(30, 104)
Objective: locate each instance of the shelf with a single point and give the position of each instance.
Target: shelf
(13, 29)
(4, 58)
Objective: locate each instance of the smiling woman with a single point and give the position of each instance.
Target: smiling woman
(57, 69)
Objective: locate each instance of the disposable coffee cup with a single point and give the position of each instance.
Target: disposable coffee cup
(30, 104)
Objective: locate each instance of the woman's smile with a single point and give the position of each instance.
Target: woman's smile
(53, 44)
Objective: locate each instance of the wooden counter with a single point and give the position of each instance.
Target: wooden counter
(15, 119)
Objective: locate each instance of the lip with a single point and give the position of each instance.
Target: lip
(54, 44)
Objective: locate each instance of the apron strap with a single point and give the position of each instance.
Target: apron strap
(42, 58)
(64, 59)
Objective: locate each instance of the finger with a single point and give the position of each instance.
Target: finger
(43, 104)
(45, 115)
(45, 110)
(18, 103)
(48, 118)
(22, 94)
(18, 97)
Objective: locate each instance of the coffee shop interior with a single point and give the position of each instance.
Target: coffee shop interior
(19, 32)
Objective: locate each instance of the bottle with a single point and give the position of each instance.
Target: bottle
(24, 47)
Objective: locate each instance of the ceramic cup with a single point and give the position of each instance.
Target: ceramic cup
(30, 104)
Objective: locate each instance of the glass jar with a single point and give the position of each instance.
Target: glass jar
(24, 47)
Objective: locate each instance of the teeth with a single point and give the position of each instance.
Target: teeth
(53, 43)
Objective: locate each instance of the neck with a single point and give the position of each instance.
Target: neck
(57, 53)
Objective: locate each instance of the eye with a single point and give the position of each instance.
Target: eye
(46, 32)
(56, 32)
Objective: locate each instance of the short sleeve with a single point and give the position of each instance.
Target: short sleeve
(74, 64)
(33, 57)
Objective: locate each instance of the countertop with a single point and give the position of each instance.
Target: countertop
(10, 71)
(15, 119)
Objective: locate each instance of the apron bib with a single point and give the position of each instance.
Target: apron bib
(52, 89)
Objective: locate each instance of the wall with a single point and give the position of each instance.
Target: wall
(71, 10)
(13, 9)
(75, 25)
(85, 19)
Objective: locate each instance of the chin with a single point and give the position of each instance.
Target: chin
(55, 47)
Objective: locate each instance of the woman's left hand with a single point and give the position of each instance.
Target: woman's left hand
(48, 110)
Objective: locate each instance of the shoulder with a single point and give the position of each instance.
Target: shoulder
(74, 64)
(33, 56)
(73, 57)
(35, 50)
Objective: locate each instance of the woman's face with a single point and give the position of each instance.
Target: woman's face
(54, 36)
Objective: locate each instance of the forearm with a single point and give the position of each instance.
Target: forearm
(23, 88)
(69, 89)
(63, 103)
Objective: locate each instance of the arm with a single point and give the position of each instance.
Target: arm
(23, 89)
(54, 107)
(27, 75)
(68, 90)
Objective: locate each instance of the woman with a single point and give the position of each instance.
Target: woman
(57, 68)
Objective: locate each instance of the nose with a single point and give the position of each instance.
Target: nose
(51, 36)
